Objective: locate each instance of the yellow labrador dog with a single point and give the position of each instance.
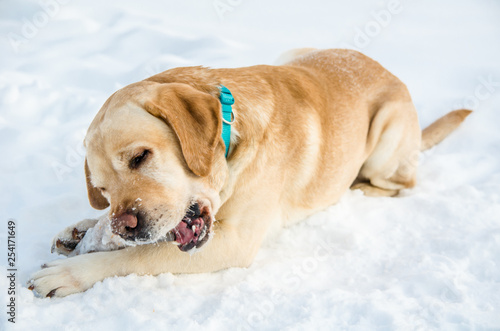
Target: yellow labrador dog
(302, 134)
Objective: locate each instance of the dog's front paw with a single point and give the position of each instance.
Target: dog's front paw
(65, 241)
(67, 276)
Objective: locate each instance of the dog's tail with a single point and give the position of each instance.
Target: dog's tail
(437, 131)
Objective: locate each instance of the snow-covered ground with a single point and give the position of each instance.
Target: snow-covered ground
(428, 260)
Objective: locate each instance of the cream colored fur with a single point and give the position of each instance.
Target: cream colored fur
(307, 131)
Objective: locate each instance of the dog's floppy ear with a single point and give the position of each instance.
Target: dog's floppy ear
(196, 120)
(97, 200)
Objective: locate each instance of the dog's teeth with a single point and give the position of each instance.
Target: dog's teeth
(193, 228)
(202, 234)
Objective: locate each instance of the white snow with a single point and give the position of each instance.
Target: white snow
(428, 260)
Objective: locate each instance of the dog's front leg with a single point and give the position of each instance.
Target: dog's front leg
(228, 248)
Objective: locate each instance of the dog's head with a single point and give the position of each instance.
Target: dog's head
(154, 154)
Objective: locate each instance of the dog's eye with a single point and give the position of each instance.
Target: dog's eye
(137, 160)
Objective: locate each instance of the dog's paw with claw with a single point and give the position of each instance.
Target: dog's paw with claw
(60, 278)
(66, 241)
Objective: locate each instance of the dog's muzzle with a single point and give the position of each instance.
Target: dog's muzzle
(192, 232)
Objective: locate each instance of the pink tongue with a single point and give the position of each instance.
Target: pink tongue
(184, 233)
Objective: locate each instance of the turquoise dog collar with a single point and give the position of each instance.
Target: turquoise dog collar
(228, 117)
